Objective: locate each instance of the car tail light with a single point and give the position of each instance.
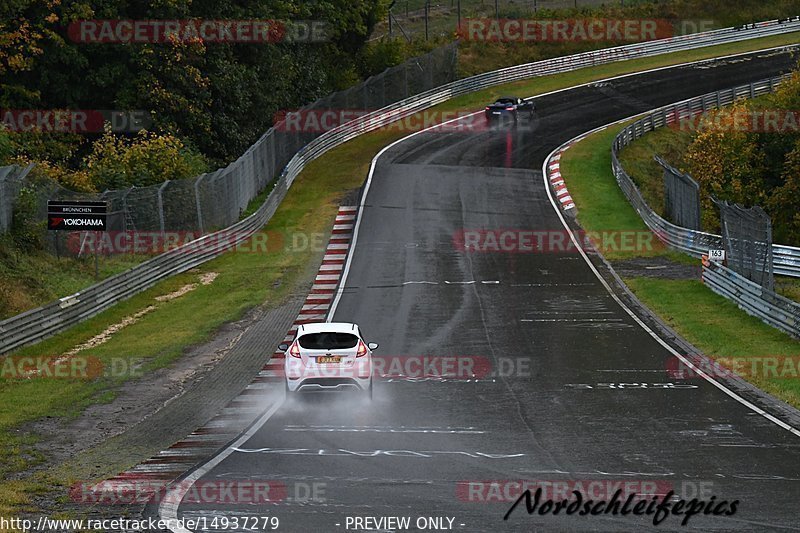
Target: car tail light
(509, 109)
(362, 349)
(294, 350)
(487, 107)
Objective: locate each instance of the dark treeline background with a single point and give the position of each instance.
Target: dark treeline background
(216, 99)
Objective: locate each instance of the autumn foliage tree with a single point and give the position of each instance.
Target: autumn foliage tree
(726, 163)
(742, 161)
(147, 159)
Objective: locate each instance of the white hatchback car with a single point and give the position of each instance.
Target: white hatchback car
(328, 356)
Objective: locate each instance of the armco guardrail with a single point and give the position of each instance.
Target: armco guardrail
(37, 324)
(786, 259)
(774, 309)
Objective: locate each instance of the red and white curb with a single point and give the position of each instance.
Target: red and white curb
(318, 302)
(155, 474)
(557, 180)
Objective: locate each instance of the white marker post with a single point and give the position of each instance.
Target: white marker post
(716, 255)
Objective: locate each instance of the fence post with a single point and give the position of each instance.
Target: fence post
(127, 212)
(5, 200)
(273, 155)
(427, 14)
(197, 201)
(383, 77)
(405, 81)
(161, 204)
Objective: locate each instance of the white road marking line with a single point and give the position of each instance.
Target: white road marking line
(662, 371)
(426, 454)
(571, 320)
(472, 282)
(367, 429)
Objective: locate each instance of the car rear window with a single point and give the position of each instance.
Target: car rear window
(328, 341)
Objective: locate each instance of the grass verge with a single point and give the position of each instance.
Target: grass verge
(245, 279)
(32, 279)
(720, 329)
(712, 323)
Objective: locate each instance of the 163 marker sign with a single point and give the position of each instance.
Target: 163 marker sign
(76, 216)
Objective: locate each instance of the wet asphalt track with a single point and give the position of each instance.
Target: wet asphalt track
(544, 315)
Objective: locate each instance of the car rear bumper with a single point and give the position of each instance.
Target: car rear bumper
(312, 377)
(320, 384)
(503, 114)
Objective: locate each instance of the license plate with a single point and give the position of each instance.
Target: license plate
(336, 359)
(495, 112)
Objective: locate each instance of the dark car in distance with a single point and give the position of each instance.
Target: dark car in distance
(508, 107)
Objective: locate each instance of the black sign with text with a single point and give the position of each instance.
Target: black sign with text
(76, 216)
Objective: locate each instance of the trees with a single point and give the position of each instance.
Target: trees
(737, 154)
(218, 97)
(148, 159)
(727, 163)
